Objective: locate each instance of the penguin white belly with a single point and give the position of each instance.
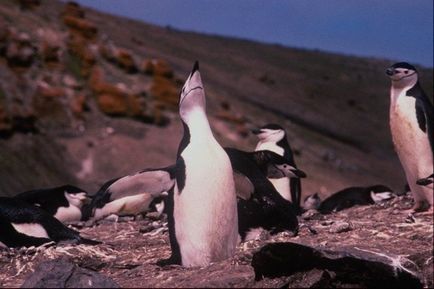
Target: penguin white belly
(282, 186)
(412, 146)
(205, 211)
(270, 146)
(3, 245)
(131, 205)
(68, 214)
(31, 229)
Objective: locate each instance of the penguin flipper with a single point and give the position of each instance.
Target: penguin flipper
(151, 181)
(243, 186)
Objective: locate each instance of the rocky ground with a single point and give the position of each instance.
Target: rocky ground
(131, 248)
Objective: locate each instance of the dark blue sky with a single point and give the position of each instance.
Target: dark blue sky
(392, 29)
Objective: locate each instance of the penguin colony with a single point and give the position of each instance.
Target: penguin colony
(215, 197)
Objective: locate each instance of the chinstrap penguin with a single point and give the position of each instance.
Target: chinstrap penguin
(65, 203)
(273, 137)
(131, 194)
(411, 124)
(202, 206)
(348, 198)
(23, 224)
(260, 206)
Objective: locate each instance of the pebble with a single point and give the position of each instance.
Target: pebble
(340, 227)
(310, 215)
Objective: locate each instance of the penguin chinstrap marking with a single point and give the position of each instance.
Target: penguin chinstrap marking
(131, 194)
(202, 207)
(411, 125)
(65, 203)
(348, 198)
(273, 137)
(260, 206)
(23, 224)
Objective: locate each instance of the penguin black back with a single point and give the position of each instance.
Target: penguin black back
(49, 199)
(265, 208)
(14, 212)
(352, 196)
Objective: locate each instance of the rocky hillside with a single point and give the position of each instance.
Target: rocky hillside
(86, 96)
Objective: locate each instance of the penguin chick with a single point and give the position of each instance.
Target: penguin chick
(64, 203)
(23, 224)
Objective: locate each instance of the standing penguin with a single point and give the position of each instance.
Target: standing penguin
(22, 224)
(411, 124)
(202, 207)
(64, 202)
(273, 137)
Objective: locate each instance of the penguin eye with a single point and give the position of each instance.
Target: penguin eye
(406, 72)
(285, 166)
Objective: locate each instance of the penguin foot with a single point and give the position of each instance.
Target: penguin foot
(421, 206)
(167, 262)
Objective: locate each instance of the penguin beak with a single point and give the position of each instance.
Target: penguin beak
(390, 71)
(256, 131)
(298, 173)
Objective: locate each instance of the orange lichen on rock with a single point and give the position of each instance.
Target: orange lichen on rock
(48, 100)
(78, 104)
(73, 9)
(165, 92)
(157, 67)
(125, 60)
(81, 26)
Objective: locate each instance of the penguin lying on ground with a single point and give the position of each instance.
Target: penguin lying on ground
(347, 198)
(22, 224)
(428, 181)
(412, 127)
(130, 195)
(260, 206)
(273, 137)
(64, 203)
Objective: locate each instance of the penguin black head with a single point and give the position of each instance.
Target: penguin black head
(278, 167)
(270, 132)
(402, 74)
(192, 95)
(74, 195)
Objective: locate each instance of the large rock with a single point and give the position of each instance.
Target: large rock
(350, 267)
(61, 273)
